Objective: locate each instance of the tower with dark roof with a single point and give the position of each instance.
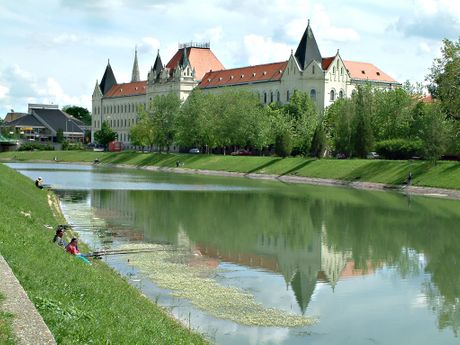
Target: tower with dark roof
(108, 80)
(308, 50)
(135, 73)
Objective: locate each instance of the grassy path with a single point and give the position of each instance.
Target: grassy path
(444, 174)
(80, 304)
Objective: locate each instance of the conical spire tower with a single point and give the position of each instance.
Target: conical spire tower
(308, 50)
(184, 59)
(158, 65)
(108, 80)
(135, 74)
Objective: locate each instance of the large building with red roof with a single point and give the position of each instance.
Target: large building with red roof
(325, 79)
(118, 103)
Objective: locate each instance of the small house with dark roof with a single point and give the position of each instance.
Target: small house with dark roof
(42, 123)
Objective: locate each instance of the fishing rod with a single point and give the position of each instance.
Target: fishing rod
(131, 251)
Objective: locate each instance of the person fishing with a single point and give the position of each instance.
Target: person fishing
(72, 248)
(58, 237)
(39, 183)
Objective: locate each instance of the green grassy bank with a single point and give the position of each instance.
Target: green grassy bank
(80, 304)
(6, 334)
(445, 174)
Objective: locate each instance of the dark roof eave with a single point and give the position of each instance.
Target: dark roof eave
(240, 84)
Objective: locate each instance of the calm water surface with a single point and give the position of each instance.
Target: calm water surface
(372, 267)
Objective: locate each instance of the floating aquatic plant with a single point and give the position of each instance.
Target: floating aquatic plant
(168, 269)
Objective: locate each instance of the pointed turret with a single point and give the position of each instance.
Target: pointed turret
(135, 74)
(158, 65)
(184, 59)
(108, 80)
(308, 50)
(97, 90)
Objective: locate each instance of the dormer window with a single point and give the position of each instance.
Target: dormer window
(242, 76)
(231, 77)
(220, 78)
(378, 73)
(363, 72)
(265, 73)
(254, 74)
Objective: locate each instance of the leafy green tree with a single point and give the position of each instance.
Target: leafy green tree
(339, 123)
(434, 129)
(362, 136)
(162, 112)
(105, 135)
(142, 133)
(444, 79)
(60, 135)
(318, 143)
(304, 115)
(78, 112)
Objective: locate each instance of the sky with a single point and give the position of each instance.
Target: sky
(54, 51)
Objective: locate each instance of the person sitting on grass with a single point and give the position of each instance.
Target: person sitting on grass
(72, 248)
(39, 183)
(58, 237)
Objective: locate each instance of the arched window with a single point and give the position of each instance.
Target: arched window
(313, 94)
(271, 96)
(341, 94)
(313, 69)
(332, 95)
(265, 97)
(278, 96)
(333, 70)
(288, 96)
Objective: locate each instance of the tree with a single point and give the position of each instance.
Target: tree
(142, 133)
(78, 112)
(362, 136)
(60, 135)
(339, 121)
(105, 135)
(162, 112)
(434, 129)
(444, 79)
(304, 115)
(318, 143)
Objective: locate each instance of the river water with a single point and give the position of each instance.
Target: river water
(367, 267)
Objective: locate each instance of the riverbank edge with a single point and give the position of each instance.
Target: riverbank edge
(27, 329)
(411, 190)
(28, 326)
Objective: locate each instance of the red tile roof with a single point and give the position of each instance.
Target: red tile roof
(202, 59)
(244, 75)
(128, 89)
(367, 71)
(327, 62)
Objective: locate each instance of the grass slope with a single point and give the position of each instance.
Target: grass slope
(444, 174)
(79, 303)
(6, 334)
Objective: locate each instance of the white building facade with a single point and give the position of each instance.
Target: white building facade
(325, 79)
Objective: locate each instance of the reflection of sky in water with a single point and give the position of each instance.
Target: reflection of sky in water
(86, 177)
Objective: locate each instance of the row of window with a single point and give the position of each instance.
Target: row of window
(270, 98)
(119, 108)
(333, 95)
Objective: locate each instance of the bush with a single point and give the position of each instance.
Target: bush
(399, 148)
(283, 144)
(35, 147)
(66, 146)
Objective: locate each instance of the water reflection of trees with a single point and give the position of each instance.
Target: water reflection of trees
(297, 228)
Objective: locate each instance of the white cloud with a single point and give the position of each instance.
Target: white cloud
(214, 34)
(329, 32)
(65, 39)
(149, 45)
(3, 92)
(424, 48)
(263, 50)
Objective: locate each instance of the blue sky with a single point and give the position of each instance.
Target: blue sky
(55, 50)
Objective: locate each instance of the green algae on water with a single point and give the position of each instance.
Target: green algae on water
(169, 270)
